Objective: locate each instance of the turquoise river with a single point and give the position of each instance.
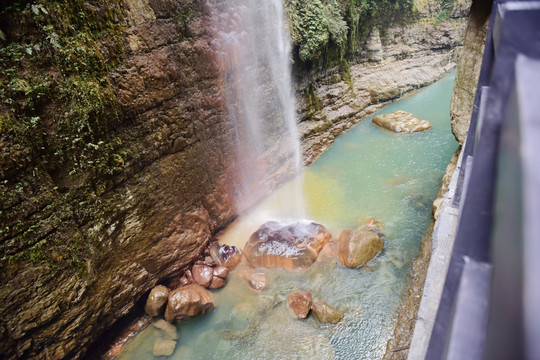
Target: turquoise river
(368, 172)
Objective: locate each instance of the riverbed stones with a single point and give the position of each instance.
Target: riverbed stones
(188, 301)
(157, 299)
(300, 303)
(168, 329)
(401, 121)
(326, 313)
(164, 347)
(202, 274)
(256, 279)
(219, 278)
(357, 247)
(287, 246)
(225, 255)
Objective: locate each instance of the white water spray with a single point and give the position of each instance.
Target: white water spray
(254, 48)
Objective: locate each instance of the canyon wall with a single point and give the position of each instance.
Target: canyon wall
(116, 159)
(80, 247)
(388, 64)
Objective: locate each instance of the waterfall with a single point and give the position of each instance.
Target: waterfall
(254, 53)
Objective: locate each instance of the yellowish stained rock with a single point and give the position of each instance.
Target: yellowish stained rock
(401, 121)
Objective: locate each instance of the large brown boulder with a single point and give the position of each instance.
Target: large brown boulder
(157, 299)
(287, 246)
(326, 313)
(300, 303)
(401, 121)
(357, 247)
(191, 300)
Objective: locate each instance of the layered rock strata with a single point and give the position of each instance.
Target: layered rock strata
(154, 216)
(386, 68)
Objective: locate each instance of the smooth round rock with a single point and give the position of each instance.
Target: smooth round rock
(202, 274)
(357, 247)
(326, 313)
(188, 301)
(157, 299)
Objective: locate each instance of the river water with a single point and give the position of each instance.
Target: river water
(368, 172)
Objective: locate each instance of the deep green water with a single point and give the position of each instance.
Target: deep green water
(368, 172)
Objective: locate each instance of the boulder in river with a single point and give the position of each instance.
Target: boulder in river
(255, 279)
(202, 274)
(288, 246)
(167, 329)
(164, 347)
(357, 247)
(326, 313)
(300, 303)
(187, 301)
(225, 255)
(157, 299)
(401, 121)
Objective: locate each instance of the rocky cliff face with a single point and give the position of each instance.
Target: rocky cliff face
(148, 221)
(470, 61)
(385, 68)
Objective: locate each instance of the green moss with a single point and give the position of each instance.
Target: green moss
(313, 102)
(333, 29)
(58, 106)
(63, 60)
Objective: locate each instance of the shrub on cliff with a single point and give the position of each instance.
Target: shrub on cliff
(317, 24)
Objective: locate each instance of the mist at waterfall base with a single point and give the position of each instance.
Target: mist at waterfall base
(368, 172)
(253, 50)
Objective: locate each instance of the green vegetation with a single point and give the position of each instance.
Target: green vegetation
(57, 110)
(446, 7)
(317, 25)
(63, 60)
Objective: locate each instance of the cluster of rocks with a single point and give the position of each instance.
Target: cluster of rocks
(401, 122)
(301, 302)
(189, 295)
(293, 246)
(298, 245)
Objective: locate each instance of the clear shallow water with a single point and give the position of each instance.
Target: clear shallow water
(368, 172)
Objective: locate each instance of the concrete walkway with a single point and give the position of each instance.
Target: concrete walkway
(443, 242)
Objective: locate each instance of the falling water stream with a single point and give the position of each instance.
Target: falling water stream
(253, 49)
(368, 172)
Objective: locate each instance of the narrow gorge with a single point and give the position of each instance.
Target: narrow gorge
(117, 158)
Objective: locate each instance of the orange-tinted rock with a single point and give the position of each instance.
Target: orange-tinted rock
(202, 274)
(255, 279)
(328, 252)
(187, 301)
(157, 299)
(357, 247)
(186, 279)
(217, 282)
(300, 303)
(221, 271)
(225, 255)
(326, 313)
(287, 246)
(401, 121)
